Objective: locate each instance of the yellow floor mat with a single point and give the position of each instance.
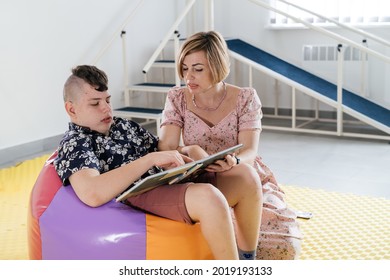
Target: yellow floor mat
(15, 185)
(344, 226)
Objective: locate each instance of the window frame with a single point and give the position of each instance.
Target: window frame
(379, 17)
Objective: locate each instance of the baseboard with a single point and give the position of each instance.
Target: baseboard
(16, 154)
(309, 113)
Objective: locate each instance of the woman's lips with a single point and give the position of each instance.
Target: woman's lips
(192, 86)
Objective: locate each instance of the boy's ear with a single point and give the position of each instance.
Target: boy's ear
(69, 107)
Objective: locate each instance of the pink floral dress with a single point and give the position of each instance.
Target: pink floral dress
(280, 236)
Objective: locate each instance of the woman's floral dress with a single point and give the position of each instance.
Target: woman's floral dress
(280, 236)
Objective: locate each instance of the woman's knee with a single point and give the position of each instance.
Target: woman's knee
(203, 199)
(206, 193)
(249, 177)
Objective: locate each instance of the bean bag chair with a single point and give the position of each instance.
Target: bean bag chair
(61, 227)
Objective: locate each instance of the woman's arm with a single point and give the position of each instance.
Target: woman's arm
(170, 140)
(95, 189)
(247, 154)
(250, 139)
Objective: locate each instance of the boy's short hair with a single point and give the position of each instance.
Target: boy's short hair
(90, 75)
(214, 45)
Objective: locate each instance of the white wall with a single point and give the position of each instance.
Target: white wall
(41, 40)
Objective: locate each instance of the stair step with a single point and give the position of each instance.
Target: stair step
(164, 64)
(151, 87)
(138, 112)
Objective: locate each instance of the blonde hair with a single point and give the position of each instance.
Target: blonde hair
(215, 48)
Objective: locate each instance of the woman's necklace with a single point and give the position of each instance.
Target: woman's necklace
(208, 108)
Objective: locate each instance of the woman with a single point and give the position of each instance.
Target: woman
(211, 115)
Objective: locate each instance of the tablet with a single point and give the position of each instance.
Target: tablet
(175, 175)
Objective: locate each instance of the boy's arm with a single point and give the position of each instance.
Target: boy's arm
(95, 189)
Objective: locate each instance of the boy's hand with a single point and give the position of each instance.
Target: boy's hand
(169, 159)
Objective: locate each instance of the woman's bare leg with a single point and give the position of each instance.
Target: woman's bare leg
(207, 205)
(242, 188)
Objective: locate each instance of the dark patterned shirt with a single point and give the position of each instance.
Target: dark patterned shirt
(82, 148)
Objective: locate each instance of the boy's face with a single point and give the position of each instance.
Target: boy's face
(91, 109)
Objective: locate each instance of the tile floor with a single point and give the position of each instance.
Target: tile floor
(331, 163)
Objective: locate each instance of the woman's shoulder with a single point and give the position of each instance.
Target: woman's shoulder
(176, 91)
(176, 96)
(247, 92)
(247, 99)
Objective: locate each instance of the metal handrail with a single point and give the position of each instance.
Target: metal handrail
(346, 26)
(324, 31)
(116, 33)
(169, 34)
(340, 40)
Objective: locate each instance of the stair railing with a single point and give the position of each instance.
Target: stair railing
(345, 26)
(352, 29)
(116, 33)
(168, 36)
(333, 35)
(340, 39)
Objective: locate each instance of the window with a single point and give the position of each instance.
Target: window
(355, 12)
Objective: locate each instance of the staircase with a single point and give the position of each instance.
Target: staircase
(149, 113)
(353, 105)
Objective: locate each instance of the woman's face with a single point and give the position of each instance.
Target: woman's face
(196, 72)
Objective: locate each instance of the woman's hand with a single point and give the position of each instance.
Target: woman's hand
(223, 165)
(193, 151)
